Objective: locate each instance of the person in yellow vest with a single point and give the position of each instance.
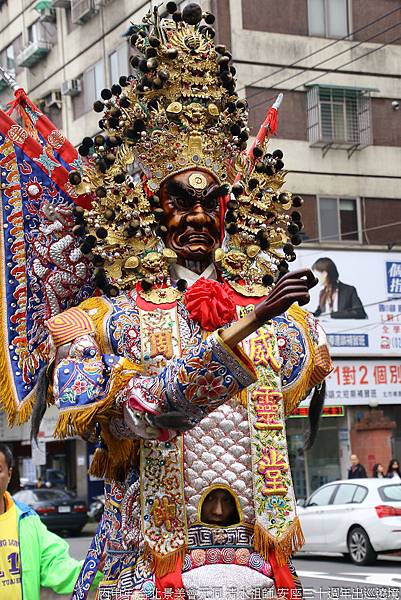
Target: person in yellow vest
(31, 556)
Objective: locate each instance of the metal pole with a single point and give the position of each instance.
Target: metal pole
(306, 468)
(9, 79)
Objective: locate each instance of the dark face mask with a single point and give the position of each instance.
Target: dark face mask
(191, 204)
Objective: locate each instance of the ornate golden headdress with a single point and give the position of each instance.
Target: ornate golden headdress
(180, 112)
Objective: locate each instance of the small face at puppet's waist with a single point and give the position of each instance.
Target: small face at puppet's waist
(191, 203)
(219, 508)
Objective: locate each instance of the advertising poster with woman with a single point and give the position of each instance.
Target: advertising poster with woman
(357, 300)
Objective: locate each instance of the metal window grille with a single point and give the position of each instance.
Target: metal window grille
(339, 118)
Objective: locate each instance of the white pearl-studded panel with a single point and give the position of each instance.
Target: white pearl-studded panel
(218, 450)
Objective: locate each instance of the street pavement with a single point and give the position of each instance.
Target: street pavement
(323, 577)
(335, 578)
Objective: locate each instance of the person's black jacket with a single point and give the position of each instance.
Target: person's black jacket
(358, 473)
(349, 304)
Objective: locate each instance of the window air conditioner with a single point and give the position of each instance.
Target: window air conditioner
(71, 87)
(82, 10)
(53, 100)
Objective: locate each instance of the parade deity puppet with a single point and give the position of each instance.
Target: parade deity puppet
(186, 361)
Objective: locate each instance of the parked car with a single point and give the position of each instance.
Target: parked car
(359, 518)
(57, 508)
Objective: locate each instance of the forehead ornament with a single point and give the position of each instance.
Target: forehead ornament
(197, 181)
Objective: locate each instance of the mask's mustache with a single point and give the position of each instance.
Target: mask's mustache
(201, 237)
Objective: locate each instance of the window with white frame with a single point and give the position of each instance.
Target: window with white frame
(8, 55)
(329, 18)
(118, 61)
(339, 219)
(93, 83)
(339, 117)
(42, 32)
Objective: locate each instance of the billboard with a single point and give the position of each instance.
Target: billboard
(357, 300)
(361, 382)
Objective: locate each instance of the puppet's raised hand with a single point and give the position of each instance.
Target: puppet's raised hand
(293, 287)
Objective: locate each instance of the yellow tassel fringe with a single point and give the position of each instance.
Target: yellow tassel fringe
(97, 308)
(242, 397)
(165, 563)
(299, 391)
(77, 421)
(121, 453)
(7, 400)
(283, 547)
(99, 464)
(16, 415)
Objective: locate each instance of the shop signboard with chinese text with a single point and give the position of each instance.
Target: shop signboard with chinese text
(363, 382)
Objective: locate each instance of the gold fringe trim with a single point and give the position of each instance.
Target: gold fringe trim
(165, 563)
(99, 464)
(25, 410)
(122, 454)
(7, 400)
(322, 366)
(97, 309)
(299, 391)
(77, 421)
(283, 547)
(242, 397)
(114, 460)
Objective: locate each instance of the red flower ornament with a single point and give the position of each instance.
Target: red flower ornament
(210, 303)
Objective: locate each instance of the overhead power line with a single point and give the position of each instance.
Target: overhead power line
(351, 61)
(362, 229)
(336, 70)
(332, 43)
(304, 69)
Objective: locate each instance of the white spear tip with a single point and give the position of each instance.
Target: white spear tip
(278, 101)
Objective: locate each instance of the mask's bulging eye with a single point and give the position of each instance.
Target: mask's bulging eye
(210, 204)
(183, 202)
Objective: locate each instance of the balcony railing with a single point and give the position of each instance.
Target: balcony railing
(33, 53)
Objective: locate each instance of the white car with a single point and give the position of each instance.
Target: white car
(358, 517)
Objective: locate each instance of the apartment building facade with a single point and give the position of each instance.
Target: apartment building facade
(336, 62)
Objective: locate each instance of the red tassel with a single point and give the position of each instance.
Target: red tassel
(20, 96)
(172, 582)
(272, 118)
(268, 128)
(223, 207)
(283, 579)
